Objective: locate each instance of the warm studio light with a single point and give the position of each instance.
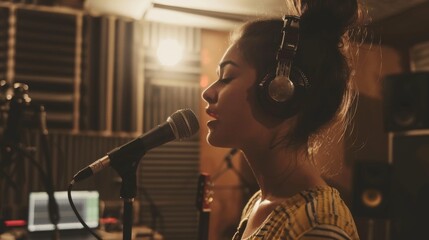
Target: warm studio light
(169, 52)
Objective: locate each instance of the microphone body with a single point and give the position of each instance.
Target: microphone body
(182, 124)
(12, 129)
(11, 135)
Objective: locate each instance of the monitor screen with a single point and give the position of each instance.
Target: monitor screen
(86, 202)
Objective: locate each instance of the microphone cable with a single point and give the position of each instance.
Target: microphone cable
(39, 168)
(8, 182)
(76, 212)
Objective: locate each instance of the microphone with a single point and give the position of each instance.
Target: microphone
(180, 125)
(18, 99)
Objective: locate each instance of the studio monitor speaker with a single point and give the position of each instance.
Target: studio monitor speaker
(406, 101)
(410, 157)
(372, 190)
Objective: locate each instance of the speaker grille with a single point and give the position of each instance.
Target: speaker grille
(410, 157)
(405, 101)
(372, 189)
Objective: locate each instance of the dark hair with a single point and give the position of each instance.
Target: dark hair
(322, 55)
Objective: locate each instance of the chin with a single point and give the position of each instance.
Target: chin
(216, 141)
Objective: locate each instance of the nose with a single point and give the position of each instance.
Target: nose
(210, 94)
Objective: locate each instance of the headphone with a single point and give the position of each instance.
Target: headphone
(281, 93)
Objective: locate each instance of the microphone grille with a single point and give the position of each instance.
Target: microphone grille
(186, 123)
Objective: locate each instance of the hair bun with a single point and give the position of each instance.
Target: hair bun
(333, 17)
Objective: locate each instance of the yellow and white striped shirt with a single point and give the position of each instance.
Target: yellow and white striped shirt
(317, 213)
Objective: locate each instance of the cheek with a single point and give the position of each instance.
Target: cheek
(236, 126)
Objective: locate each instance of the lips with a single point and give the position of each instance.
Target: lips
(211, 124)
(211, 113)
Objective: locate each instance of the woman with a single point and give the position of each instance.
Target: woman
(279, 137)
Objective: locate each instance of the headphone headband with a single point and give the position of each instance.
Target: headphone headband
(290, 38)
(282, 94)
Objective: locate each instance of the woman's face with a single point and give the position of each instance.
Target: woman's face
(231, 103)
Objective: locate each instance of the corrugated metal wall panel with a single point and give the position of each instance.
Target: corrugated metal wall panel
(169, 174)
(4, 36)
(45, 53)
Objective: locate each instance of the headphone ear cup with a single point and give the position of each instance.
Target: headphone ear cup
(281, 109)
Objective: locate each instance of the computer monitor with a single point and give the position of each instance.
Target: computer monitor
(86, 202)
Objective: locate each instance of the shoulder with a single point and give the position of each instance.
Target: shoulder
(250, 204)
(322, 211)
(326, 231)
(319, 212)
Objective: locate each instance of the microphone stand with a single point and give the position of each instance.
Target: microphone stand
(154, 211)
(127, 194)
(128, 190)
(54, 213)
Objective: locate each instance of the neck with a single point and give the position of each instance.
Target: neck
(283, 172)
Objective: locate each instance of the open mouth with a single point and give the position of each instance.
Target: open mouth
(211, 113)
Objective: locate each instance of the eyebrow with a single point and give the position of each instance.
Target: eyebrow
(223, 64)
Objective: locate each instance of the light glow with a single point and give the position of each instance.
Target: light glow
(169, 52)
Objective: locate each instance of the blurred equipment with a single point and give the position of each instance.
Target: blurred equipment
(17, 103)
(372, 189)
(406, 101)
(86, 201)
(16, 100)
(203, 204)
(410, 157)
(40, 226)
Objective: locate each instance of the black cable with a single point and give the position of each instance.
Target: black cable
(45, 180)
(32, 161)
(39, 168)
(9, 181)
(54, 213)
(77, 213)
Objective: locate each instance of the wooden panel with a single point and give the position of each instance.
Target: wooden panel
(419, 57)
(404, 29)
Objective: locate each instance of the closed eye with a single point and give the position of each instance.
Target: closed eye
(225, 80)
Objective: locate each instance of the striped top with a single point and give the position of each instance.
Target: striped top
(317, 213)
